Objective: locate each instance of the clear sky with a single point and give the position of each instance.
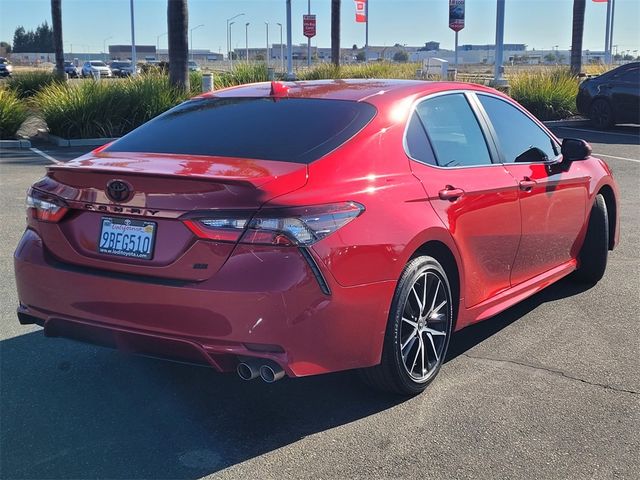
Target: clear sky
(540, 24)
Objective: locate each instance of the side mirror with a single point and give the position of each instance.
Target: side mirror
(575, 149)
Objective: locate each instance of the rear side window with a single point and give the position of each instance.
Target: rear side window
(631, 76)
(417, 143)
(454, 131)
(519, 137)
(289, 130)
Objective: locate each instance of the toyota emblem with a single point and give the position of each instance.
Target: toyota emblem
(118, 191)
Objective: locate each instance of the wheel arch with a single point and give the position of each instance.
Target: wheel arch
(441, 252)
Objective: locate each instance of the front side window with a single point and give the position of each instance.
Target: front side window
(521, 140)
(454, 131)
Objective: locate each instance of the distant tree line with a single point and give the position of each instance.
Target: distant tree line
(40, 40)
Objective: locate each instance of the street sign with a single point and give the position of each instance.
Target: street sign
(456, 15)
(309, 26)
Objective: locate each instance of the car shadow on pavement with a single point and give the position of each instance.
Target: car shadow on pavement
(474, 334)
(70, 410)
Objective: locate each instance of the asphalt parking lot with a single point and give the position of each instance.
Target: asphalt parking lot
(547, 389)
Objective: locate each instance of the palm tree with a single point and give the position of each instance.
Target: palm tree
(576, 36)
(335, 32)
(177, 28)
(56, 20)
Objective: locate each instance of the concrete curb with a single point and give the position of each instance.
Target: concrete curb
(15, 144)
(567, 123)
(78, 142)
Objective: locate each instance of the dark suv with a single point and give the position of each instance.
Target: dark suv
(611, 98)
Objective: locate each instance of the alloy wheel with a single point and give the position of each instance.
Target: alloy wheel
(424, 326)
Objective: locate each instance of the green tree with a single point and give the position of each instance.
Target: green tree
(361, 57)
(576, 35)
(401, 56)
(5, 47)
(55, 35)
(335, 32)
(177, 26)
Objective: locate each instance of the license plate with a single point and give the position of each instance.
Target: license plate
(126, 237)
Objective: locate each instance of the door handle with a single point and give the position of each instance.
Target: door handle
(526, 184)
(450, 193)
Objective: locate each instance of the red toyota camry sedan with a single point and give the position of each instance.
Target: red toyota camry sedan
(293, 229)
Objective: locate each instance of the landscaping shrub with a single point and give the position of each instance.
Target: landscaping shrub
(105, 108)
(27, 84)
(12, 113)
(362, 70)
(549, 93)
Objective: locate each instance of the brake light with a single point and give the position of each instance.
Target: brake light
(44, 207)
(299, 226)
(220, 229)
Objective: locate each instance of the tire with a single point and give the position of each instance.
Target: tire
(592, 260)
(601, 114)
(418, 330)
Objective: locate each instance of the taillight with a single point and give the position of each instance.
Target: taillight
(45, 207)
(299, 226)
(295, 226)
(221, 229)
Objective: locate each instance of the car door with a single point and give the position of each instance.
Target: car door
(476, 198)
(552, 199)
(625, 95)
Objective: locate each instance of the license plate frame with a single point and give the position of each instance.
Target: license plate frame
(120, 230)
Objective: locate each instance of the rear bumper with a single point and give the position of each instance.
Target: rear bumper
(264, 302)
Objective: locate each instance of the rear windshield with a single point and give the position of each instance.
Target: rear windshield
(98, 64)
(289, 130)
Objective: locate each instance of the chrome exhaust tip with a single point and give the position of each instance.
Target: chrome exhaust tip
(271, 372)
(248, 370)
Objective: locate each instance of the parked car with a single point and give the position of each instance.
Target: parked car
(611, 98)
(95, 67)
(193, 66)
(122, 68)
(349, 224)
(71, 70)
(5, 67)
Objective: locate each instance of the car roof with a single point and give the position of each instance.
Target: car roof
(376, 91)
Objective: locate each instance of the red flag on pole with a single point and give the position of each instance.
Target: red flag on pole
(361, 11)
(600, 1)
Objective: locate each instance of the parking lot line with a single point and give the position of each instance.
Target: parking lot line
(598, 131)
(44, 155)
(618, 158)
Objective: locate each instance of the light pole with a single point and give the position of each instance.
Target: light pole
(191, 35)
(104, 47)
(158, 44)
(308, 38)
(134, 60)
(231, 53)
(290, 75)
(281, 47)
(246, 40)
(498, 72)
(266, 24)
(229, 35)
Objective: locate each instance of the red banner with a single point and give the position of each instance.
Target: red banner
(600, 1)
(309, 26)
(361, 11)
